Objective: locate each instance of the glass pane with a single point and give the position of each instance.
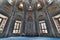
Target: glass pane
(43, 25)
(15, 25)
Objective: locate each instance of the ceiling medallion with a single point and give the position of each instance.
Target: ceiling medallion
(49, 1)
(21, 6)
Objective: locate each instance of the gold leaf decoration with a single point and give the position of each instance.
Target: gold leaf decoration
(52, 9)
(6, 9)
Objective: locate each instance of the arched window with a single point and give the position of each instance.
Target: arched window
(56, 20)
(17, 27)
(42, 26)
(3, 20)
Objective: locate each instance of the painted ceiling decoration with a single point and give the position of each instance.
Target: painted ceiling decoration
(53, 8)
(11, 2)
(6, 8)
(39, 5)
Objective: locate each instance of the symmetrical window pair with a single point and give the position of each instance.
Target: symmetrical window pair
(18, 24)
(56, 20)
(17, 27)
(42, 26)
(3, 20)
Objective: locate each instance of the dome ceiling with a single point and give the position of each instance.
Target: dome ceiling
(27, 1)
(30, 4)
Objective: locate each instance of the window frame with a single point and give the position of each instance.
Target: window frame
(17, 27)
(56, 22)
(3, 22)
(44, 27)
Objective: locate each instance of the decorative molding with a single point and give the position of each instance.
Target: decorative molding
(6, 8)
(53, 8)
